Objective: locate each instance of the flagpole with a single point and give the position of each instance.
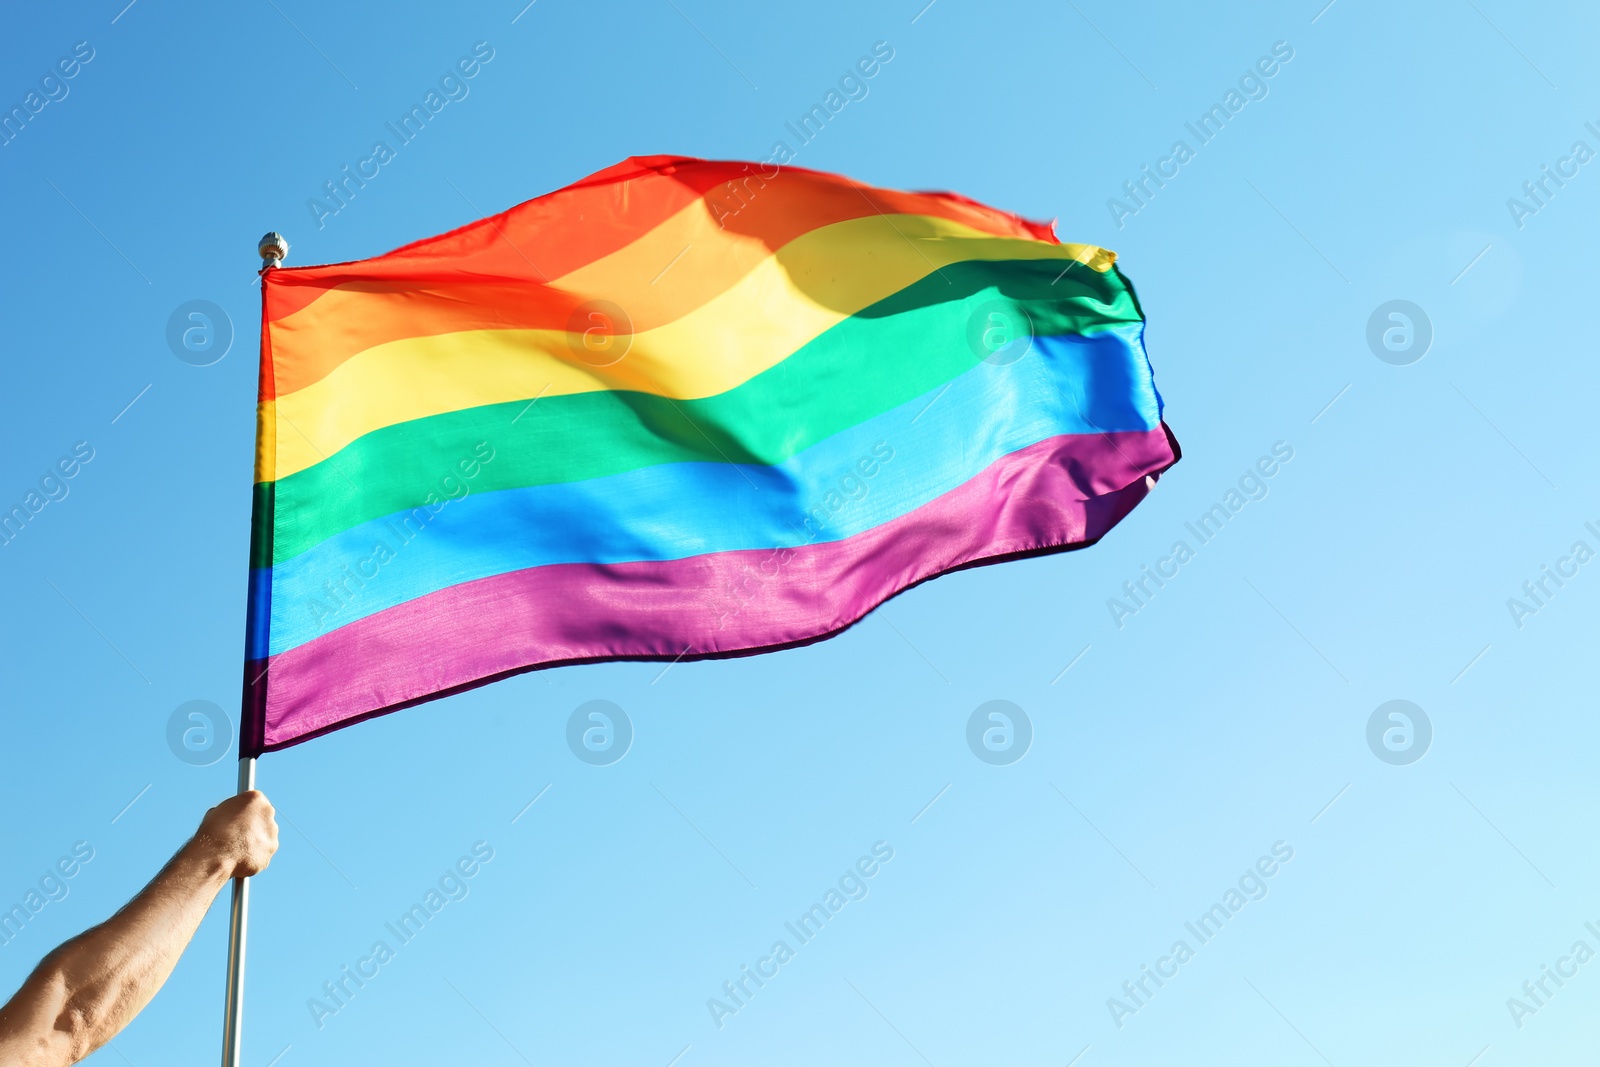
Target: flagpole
(274, 249)
(233, 1022)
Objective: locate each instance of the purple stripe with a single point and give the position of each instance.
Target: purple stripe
(1064, 492)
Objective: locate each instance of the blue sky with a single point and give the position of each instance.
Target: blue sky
(1168, 756)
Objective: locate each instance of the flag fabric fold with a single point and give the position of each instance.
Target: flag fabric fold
(680, 409)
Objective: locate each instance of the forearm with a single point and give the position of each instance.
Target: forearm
(113, 970)
(97, 982)
(91, 987)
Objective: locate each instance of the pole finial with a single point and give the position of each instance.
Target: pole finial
(274, 249)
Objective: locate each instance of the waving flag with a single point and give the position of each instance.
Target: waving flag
(680, 409)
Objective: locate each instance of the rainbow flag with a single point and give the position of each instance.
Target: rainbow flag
(680, 409)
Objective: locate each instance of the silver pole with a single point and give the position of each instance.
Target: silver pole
(274, 249)
(233, 1022)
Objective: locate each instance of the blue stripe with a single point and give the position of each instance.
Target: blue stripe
(1064, 385)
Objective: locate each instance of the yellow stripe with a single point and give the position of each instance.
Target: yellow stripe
(266, 441)
(803, 289)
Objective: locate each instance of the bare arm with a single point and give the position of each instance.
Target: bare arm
(83, 994)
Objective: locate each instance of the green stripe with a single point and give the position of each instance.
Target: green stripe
(886, 354)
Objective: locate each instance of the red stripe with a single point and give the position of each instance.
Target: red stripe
(557, 233)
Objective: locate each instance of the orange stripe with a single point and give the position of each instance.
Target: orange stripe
(594, 217)
(492, 274)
